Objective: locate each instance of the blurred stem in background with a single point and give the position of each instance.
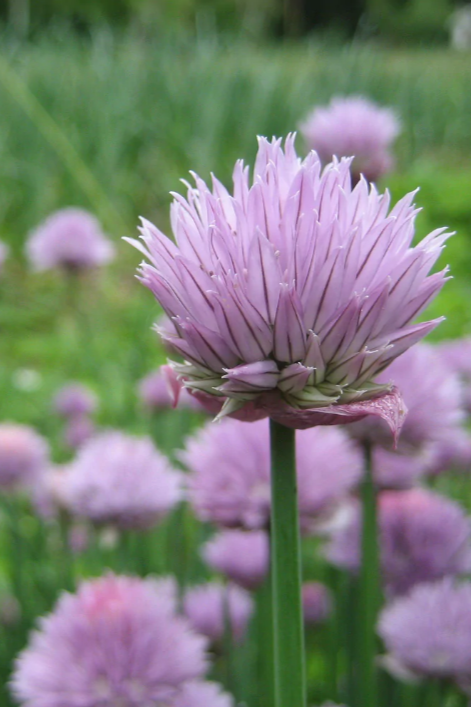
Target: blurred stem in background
(288, 626)
(369, 591)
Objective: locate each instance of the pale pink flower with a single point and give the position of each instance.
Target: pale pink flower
(70, 238)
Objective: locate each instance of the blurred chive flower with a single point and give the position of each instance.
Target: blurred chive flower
(202, 694)
(209, 606)
(428, 632)
(24, 456)
(456, 355)
(71, 239)
(78, 431)
(433, 400)
(154, 394)
(229, 464)
(117, 641)
(121, 480)
(290, 295)
(353, 126)
(242, 556)
(317, 602)
(423, 537)
(74, 400)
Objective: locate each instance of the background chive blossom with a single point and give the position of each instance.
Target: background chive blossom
(423, 537)
(229, 479)
(353, 126)
(121, 480)
(71, 239)
(294, 292)
(117, 641)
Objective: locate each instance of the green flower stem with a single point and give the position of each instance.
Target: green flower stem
(290, 681)
(369, 591)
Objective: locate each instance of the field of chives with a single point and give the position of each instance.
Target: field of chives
(112, 124)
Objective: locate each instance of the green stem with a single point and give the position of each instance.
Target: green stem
(290, 681)
(369, 591)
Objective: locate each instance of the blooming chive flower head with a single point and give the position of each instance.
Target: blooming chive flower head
(24, 456)
(121, 480)
(290, 295)
(428, 632)
(423, 537)
(240, 555)
(74, 400)
(317, 602)
(116, 642)
(229, 463)
(353, 126)
(71, 239)
(208, 606)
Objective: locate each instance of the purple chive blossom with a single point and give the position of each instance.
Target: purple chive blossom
(456, 355)
(75, 400)
(433, 400)
(24, 456)
(428, 632)
(243, 557)
(450, 454)
(121, 480)
(229, 464)
(317, 602)
(155, 394)
(209, 606)
(117, 641)
(71, 239)
(289, 296)
(353, 126)
(202, 694)
(78, 431)
(423, 537)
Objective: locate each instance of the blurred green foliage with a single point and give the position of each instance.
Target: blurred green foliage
(400, 20)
